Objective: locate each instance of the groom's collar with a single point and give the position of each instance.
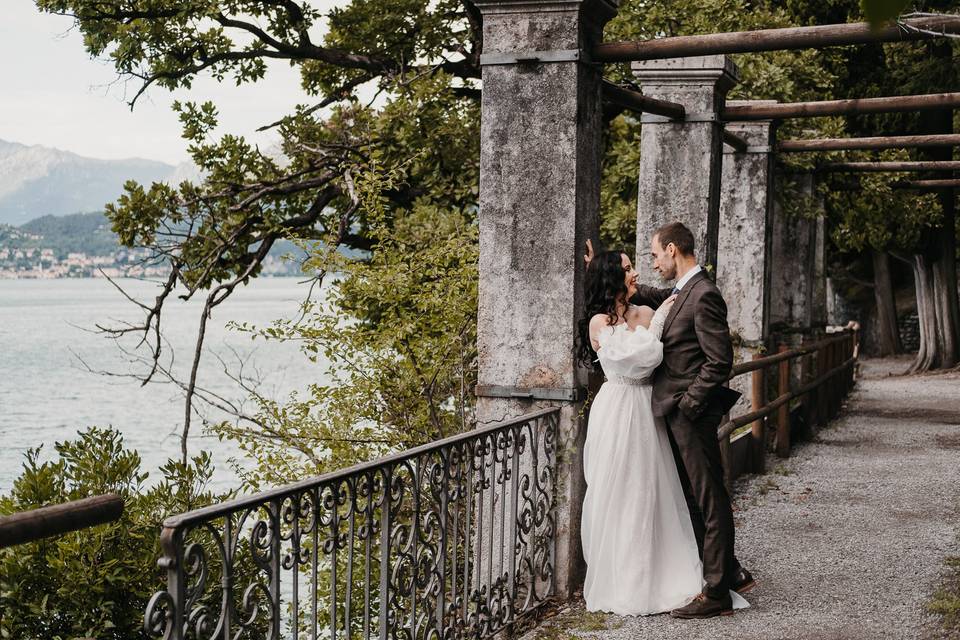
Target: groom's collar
(688, 276)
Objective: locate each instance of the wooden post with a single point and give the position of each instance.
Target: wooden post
(816, 394)
(838, 381)
(783, 413)
(828, 396)
(832, 382)
(851, 345)
(808, 401)
(758, 436)
(844, 356)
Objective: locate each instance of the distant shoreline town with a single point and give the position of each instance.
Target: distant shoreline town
(84, 246)
(44, 264)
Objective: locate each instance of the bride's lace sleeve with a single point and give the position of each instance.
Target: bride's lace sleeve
(656, 323)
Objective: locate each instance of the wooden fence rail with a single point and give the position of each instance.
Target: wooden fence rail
(45, 522)
(826, 375)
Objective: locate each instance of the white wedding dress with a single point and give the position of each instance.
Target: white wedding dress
(637, 537)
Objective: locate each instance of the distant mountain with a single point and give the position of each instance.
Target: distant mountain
(37, 181)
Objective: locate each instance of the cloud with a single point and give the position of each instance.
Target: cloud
(55, 95)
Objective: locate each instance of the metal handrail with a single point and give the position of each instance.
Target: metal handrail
(454, 538)
(244, 502)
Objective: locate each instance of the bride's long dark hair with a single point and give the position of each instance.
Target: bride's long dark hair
(604, 288)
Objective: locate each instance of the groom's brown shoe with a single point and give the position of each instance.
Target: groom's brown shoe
(743, 581)
(704, 606)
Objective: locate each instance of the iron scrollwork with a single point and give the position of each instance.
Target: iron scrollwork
(451, 540)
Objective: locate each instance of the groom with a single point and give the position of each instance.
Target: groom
(697, 358)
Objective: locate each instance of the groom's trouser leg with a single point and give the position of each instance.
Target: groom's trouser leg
(693, 505)
(698, 448)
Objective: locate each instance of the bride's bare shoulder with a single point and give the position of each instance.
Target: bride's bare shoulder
(641, 315)
(599, 321)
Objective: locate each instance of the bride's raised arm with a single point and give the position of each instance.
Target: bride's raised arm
(660, 317)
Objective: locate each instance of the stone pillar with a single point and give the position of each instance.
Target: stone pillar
(540, 158)
(798, 287)
(818, 289)
(680, 160)
(743, 261)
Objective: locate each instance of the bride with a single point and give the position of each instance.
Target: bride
(638, 540)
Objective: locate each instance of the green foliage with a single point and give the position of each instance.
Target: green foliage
(880, 11)
(92, 583)
(80, 232)
(876, 215)
(399, 332)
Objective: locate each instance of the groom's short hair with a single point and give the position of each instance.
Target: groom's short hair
(678, 234)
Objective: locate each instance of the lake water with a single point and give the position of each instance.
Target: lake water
(47, 394)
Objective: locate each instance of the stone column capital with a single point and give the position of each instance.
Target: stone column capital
(543, 6)
(603, 9)
(513, 25)
(756, 133)
(716, 71)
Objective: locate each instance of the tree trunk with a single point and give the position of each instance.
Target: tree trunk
(886, 307)
(928, 357)
(945, 284)
(942, 247)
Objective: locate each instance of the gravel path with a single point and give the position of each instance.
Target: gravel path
(847, 538)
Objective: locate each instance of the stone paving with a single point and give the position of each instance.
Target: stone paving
(848, 537)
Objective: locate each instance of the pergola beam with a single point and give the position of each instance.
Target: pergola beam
(929, 185)
(878, 142)
(931, 165)
(636, 101)
(842, 107)
(734, 141)
(774, 39)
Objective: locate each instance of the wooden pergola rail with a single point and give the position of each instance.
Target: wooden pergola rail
(815, 37)
(876, 142)
(636, 101)
(892, 166)
(45, 522)
(826, 375)
(928, 185)
(816, 109)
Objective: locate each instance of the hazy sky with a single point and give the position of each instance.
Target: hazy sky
(53, 94)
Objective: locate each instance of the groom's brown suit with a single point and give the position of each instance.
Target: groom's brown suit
(697, 358)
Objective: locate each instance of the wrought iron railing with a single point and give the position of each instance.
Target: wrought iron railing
(454, 539)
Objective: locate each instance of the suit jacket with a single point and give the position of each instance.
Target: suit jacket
(697, 350)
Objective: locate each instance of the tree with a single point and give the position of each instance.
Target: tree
(214, 235)
(880, 219)
(896, 69)
(404, 364)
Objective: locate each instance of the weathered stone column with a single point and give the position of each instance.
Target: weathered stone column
(798, 291)
(818, 289)
(680, 161)
(539, 201)
(743, 260)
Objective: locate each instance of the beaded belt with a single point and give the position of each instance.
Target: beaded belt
(633, 382)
